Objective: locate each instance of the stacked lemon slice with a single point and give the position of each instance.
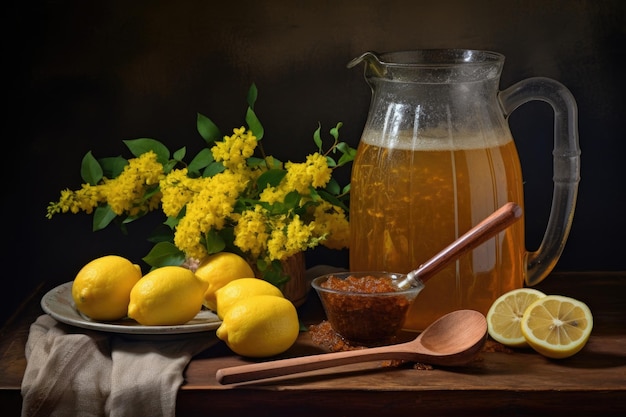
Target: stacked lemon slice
(553, 325)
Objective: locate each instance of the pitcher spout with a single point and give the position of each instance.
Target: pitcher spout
(372, 63)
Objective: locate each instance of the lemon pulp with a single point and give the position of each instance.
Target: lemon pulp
(557, 326)
(505, 315)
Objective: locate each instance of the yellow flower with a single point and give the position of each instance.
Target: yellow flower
(234, 150)
(209, 209)
(125, 194)
(177, 190)
(225, 199)
(315, 173)
(331, 221)
(251, 231)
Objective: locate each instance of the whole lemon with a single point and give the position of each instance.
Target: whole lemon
(218, 270)
(101, 289)
(241, 288)
(166, 296)
(260, 326)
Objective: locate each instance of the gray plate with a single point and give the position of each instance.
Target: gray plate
(59, 304)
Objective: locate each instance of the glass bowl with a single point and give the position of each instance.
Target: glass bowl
(357, 309)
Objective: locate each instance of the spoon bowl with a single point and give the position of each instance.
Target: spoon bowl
(453, 340)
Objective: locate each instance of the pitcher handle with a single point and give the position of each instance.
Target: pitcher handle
(566, 170)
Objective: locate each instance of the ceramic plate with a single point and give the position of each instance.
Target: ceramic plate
(59, 304)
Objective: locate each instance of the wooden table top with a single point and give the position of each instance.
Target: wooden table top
(516, 383)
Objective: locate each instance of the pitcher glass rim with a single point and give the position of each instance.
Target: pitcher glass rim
(439, 57)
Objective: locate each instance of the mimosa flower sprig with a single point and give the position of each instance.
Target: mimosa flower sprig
(231, 196)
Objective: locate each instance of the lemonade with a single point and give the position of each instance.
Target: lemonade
(410, 201)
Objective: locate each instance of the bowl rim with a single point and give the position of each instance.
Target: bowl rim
(315, 283)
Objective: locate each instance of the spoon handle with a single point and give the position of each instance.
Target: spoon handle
(494, 223)
(261, 370)
(453, 339)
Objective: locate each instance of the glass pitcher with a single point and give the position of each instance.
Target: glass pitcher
(435, 158)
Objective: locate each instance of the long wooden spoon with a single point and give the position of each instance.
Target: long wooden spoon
(452, 340)
(496, 222)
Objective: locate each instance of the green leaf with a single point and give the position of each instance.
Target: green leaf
(179, 155)
(207, 129)
(213, 168)
(140, 146)
(253, 93)
(292, 200)
(272, 177)
(343, 147)
(314, 194)
(200, 161)
(348, 153)
(151, 191)
(261, 264)
(254, 124)
(335, 130)
(130, 219)
(228, 234)
(172, 222)
(346, 158)
(272, 272)
(254, 162)
(169, 166)
(102, 217)
(279, 208)
(112, 167)
(162, 233)
(333, 187)
(90, 169)
(332, 199)
(317, 138)
(164, 254)
(214, 242)
(245, 203)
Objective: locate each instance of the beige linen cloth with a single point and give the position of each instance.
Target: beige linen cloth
(77, 372)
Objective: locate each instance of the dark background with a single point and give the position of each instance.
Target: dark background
(83, 76)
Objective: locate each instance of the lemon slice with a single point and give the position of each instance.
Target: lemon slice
(505, 315)
(557, 326)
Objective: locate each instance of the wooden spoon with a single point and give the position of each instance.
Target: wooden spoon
(452, 340)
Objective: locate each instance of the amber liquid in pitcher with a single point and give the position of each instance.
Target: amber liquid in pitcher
(411, 200)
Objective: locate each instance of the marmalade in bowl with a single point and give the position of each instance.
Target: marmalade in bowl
(367, 309)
